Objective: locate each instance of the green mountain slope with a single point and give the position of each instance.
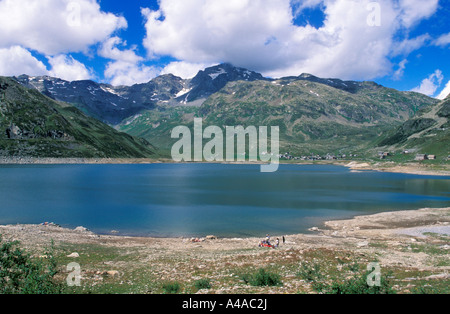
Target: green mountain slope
(34, 125)
(426, 133)
(314, 115)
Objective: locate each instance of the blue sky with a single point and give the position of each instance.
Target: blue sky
(403, 44)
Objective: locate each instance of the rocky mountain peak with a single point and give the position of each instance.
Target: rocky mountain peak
(213, 79)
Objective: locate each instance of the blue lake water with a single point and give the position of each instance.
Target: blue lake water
(201, 199)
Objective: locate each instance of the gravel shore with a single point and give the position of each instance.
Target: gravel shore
(386, 236)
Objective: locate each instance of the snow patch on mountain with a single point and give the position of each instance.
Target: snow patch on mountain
(217, 74)
(184, 91)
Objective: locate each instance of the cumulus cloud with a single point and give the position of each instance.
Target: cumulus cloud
(110, 50)
(126, 67)
(183, 69)
(445, 92)
(17, 60)
(443, 40)
(413, 11)
(67, 68)
(357, 39)
(260, 34)
(299, 5)
(406, 46)
(430, 84)
(221, 31)
(125, 73)
(54, 27)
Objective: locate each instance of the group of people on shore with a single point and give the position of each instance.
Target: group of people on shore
(266, 242)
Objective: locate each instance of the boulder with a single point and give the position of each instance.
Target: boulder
(81, 229)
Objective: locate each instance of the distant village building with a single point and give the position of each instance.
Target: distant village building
(421, 157)
(425, 157)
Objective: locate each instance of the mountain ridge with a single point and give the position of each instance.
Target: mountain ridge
(34, 125)
(428, 132)
(113, 104)
(313, 117)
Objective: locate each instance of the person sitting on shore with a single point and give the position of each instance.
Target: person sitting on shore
(264, 243)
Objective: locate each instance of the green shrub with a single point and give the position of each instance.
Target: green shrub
(355, 285)
(262, 278)
(22, 274)
(171, 287)
(202, 284)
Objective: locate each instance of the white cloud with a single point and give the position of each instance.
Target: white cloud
(126, 73)
(347, 46)
(127, 68)
(255, 34)
(299, 5)
(69, 69)
(183, 69)
(445, 92)
(109, 50)
(53, 27)
(443, 40)
(17, 60)
(430, 84)
(235, 31)
(413, 11)
(260, 35)
(406, 46)
(401, 69)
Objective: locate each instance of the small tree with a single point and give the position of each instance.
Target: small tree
(22, 274)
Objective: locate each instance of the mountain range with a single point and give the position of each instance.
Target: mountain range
(315, 115)
(112, 104)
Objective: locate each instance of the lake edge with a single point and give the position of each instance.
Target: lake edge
(361, 165)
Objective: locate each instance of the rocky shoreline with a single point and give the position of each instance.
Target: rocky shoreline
(417, 168)
(393, 239)
(393, 225)
(70, 161)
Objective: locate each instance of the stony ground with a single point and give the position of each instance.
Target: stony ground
(411, 247)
